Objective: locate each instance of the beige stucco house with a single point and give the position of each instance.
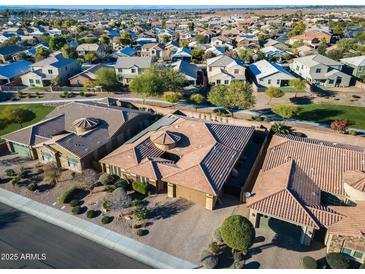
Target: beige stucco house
(223, 69)
(76, 135)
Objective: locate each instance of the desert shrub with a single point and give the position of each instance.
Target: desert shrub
(106, 179)
(140, 187)
(140, 232)
(309, 262)
(121, 183)
(106, 219)
(208, 260)
(299, 134)
(238, 233)
(32, 187)
(67, 196)
(337, 261)
(171, 97)
(136, 202)
(352, 132)
(74, 203)
(23, 173)
(136, 226)
(107, 205)
(76, 210)
(197, 99)
(15, 180)
(217, 236)
(82, 94)
(91, 214)
(214, 248)
(141, 212)
(10, 172)
(339, 125)
(110, 188)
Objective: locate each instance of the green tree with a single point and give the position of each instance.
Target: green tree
(197, 98)
(297, 44)
(41, 53)
(245, 55)
(171, 79)
(217, 96)
(191, 26)
(322, 48)
(285, 110)
(297, 28)
(125, 38)
(335, 54)
(17, 115)
(69, 52)
(298, 84)
(104, 39)
(279, 127)
(201, 39)
(184, 43)
(91, 57)
(273, 92)
(238, 233)
(165, 39)
(105, 77)
(57, 42)
(197, 54)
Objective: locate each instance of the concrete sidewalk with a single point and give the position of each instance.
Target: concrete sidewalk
(127, 246)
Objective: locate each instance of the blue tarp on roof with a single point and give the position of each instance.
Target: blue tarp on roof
(14, 69)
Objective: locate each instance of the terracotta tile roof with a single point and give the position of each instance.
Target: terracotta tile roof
(294, 173)
(353, 223)
(323, 162)
(207, 153)
(355, 178)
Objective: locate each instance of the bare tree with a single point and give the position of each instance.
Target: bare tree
(120, 199)
(88, 178)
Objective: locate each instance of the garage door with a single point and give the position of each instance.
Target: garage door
(23, 151)
(191, 195)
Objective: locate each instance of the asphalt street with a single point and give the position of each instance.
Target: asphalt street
(27, 242)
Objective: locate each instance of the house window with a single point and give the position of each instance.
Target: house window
(346, 250)
(358, 254)
(210, 68)
(360, 69)
(330, 81)
(50, 71)
(297, 67)
(46, 156)
(31, 81)
(72, 163)
(133, 70)
(226, 82)
(236, 71)
(278, 82)
(218, 82)
(318, 70)
(120, 70)
(37, 81)
(269, 81)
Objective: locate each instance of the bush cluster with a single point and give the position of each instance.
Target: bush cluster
(67, 196)
(141, 212)
(10, 172)
(77, 210)
(91, 214)
(140, 187)
(74, 203)
(32, 187)
(106, 179)
(106, 220)
(309, 262)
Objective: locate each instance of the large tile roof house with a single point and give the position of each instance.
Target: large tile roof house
(191, 158)
(301, 177)
(76, 135)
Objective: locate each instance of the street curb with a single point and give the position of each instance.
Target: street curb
(106, 237)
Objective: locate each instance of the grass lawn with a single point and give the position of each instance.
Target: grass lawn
(40, 111)
(326, 113)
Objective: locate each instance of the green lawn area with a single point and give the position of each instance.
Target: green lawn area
(40, 111)
(325, 113)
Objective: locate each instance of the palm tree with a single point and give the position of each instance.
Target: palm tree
(279, 127)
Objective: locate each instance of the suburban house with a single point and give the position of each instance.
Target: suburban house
(274, 53)
(154, 50)
(305, 51)
(76, 135)
(311, 38)
(54, 66)
(86, 75)
(126, 68)
(183, 54)
(7, 53)
(126, 52)
(192, 72)
(10, 73)
(321, 70)
(265, 73)
(99, 49)
(355, 66)
(314, 188)
(185, 157)
(223, 69)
